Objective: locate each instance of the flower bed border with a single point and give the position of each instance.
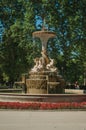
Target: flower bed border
(43, 105)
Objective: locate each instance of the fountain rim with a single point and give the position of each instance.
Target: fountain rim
(44, 32)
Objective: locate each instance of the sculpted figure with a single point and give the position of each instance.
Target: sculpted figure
(45, 59)
(40, 66)
(51, 66)
(35, 68)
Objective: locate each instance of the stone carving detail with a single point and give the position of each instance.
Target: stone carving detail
(38, 65)
(38, 84)
(44, 63)
(51, 66)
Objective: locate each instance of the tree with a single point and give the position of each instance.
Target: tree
(21, 18)
(17, 42)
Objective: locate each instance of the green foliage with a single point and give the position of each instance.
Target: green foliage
(22, 17)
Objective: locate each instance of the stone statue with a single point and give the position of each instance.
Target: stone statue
(35, 68)
(51, 66)
(45, 57)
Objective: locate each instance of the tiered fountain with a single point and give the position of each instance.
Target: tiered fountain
(44, 77)
(44, 80)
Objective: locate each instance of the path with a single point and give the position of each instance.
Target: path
(42, 120)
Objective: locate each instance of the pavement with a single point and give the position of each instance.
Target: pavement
(42, 120)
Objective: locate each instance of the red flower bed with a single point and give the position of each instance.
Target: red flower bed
(42, 105)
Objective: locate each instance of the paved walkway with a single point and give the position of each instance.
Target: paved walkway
(42, 120)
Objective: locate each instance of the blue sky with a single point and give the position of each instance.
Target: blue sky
(1, 31)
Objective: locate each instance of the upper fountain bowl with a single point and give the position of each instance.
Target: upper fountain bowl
(44, 33)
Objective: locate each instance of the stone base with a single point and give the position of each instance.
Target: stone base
(38, 86)
(44, 83)
(36, 91)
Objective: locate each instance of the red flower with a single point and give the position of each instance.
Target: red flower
(42, 105)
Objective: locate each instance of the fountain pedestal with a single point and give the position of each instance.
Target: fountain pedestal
(36, 86)
(44, 83)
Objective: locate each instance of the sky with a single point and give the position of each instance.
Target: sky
(1, 31)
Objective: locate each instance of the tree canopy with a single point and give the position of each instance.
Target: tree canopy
(20, 18)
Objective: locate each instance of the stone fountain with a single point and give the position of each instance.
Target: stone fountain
(44, 77)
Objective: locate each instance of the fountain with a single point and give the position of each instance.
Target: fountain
(44, 82)
(44, 77)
